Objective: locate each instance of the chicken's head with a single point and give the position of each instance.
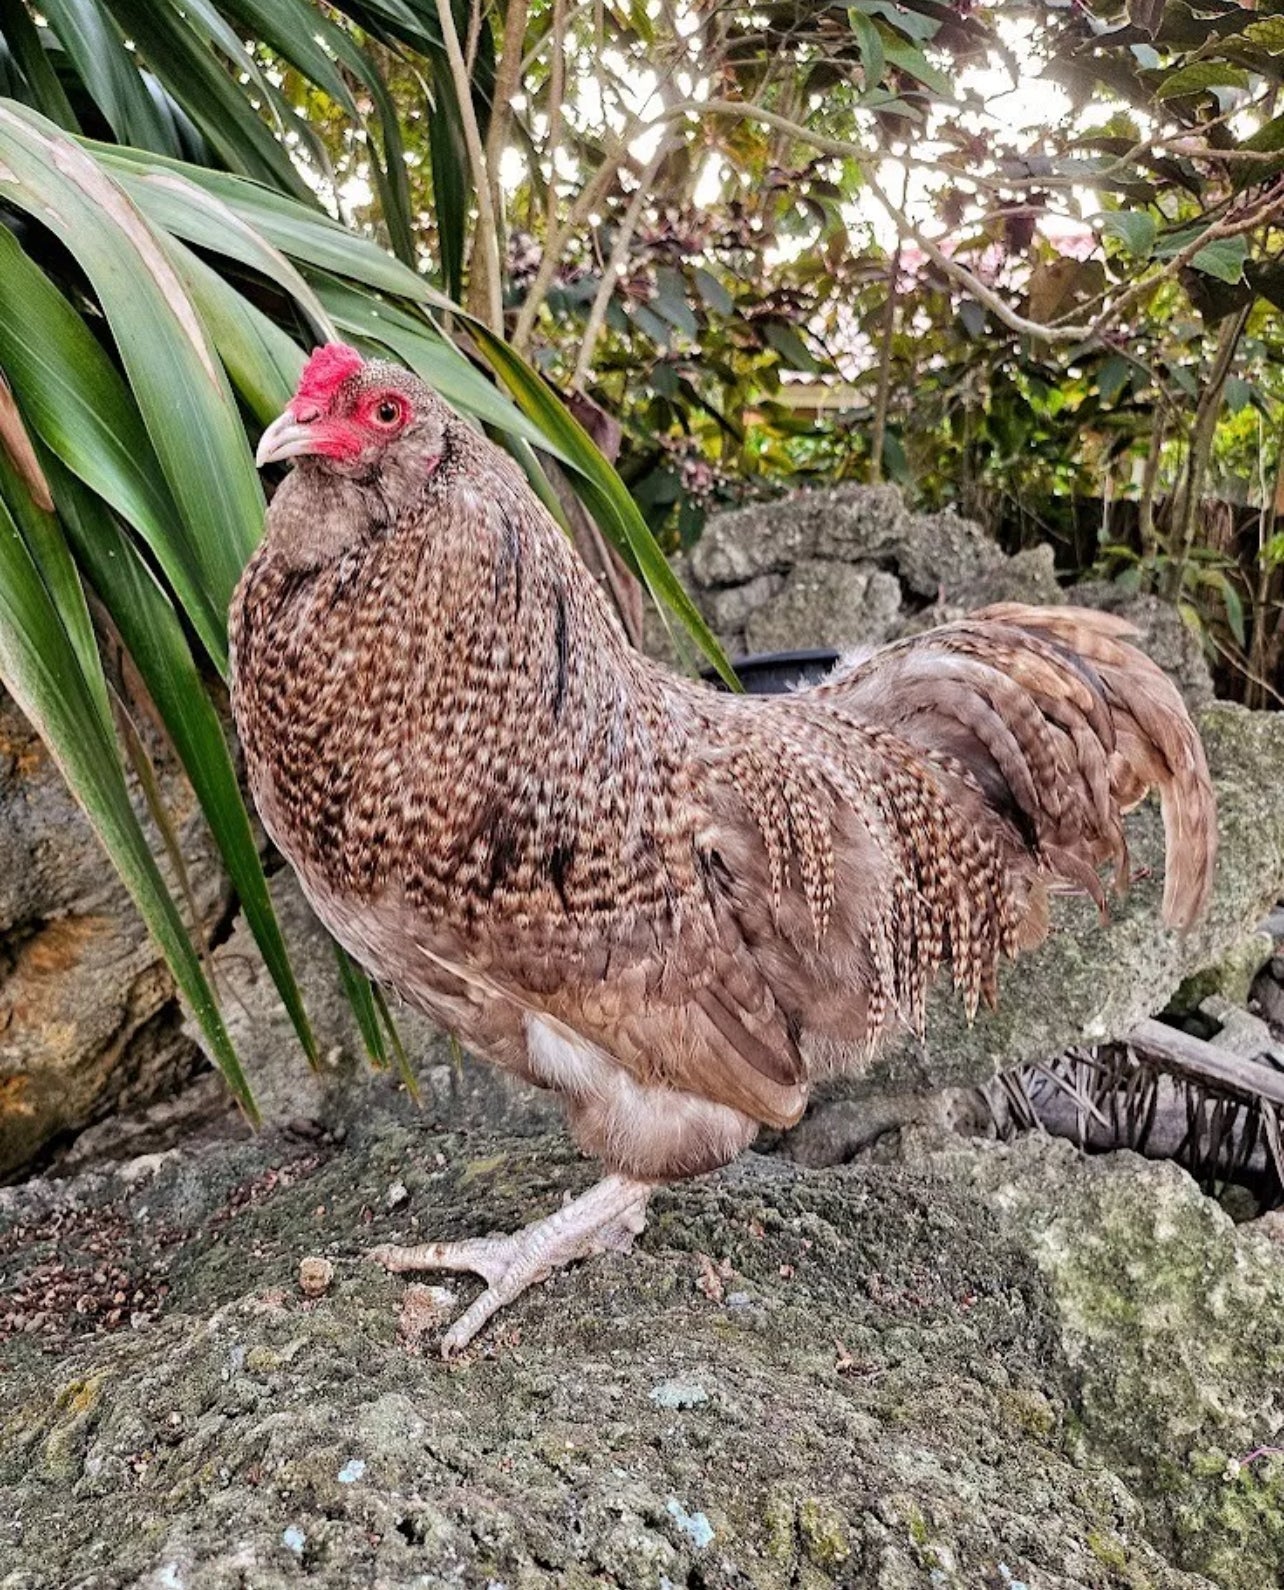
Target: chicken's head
(354, 417)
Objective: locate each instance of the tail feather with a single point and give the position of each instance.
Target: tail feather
(1064, 726)
(1156, 744)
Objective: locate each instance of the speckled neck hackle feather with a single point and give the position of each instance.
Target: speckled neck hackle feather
(670, 904)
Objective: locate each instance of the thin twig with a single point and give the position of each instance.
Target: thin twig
(616, 262)
(486, 237)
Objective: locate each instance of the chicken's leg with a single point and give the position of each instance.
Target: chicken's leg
(606, 1218)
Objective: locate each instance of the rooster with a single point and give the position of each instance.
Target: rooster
(675, 907)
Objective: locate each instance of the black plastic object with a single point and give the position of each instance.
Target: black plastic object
(771, 673)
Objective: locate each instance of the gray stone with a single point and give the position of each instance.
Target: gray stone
(1231, 977)
(1029, 576)
(1268, 994)
(736, 546)
(858, 523)
(946, 1372)
(842, 605)
(1240, 1032)
(1172, 1322)
(843, 524)
(728, 609)
(942, 552)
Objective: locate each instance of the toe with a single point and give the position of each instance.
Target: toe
(471, 1321)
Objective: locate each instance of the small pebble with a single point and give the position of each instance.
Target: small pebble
(293, 1539)
(678, 1394)
(694, 1525)
(423, 1309)
(315, 1276)
(397, 1195)
(352, 1471)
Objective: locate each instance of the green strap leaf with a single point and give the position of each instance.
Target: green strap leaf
(42, 671)
(175, 375)
(106, 68)
(153, 634)
(73, 398)
(360, 995)
(22, 36)
(208, 92)
(51, 555)
(172, 202)
(262, 362)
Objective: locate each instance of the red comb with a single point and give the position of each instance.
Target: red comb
(327, 369)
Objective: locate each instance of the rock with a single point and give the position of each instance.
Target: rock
(315, 1276)
(1268, 993)
(942, 552)
(736, 547)
(841, 605)
(1240, 1033)
(742, 572)
(678, 1394)
(1231, 977)
(1172, 1322)
(1091, 980)
(942, 1372)
(86, 1002)
(846, 525)
(728, 609)
(1028, 576)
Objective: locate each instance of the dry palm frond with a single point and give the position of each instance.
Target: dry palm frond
(1162, 1093)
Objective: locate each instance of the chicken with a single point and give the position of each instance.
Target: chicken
(675, 907)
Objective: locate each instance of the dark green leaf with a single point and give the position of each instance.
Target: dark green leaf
(1112, 377)
(22, 36)
(913, 24)
(1223, 258)
(715, 295)
(1135, 229)
(872, 58)
(794, 352)
(73, 398)
(912, 60)
(1199, 76)
(670, 301)
(175, 376)
(209, 94)
(106, 68)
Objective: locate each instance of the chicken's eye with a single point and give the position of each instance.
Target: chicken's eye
(388, 412)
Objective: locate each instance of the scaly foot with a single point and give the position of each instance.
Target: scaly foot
(604, 1219)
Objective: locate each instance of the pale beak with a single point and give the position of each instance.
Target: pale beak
(286, 437)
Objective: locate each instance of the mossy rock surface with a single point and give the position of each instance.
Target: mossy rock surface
(941, 1372)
